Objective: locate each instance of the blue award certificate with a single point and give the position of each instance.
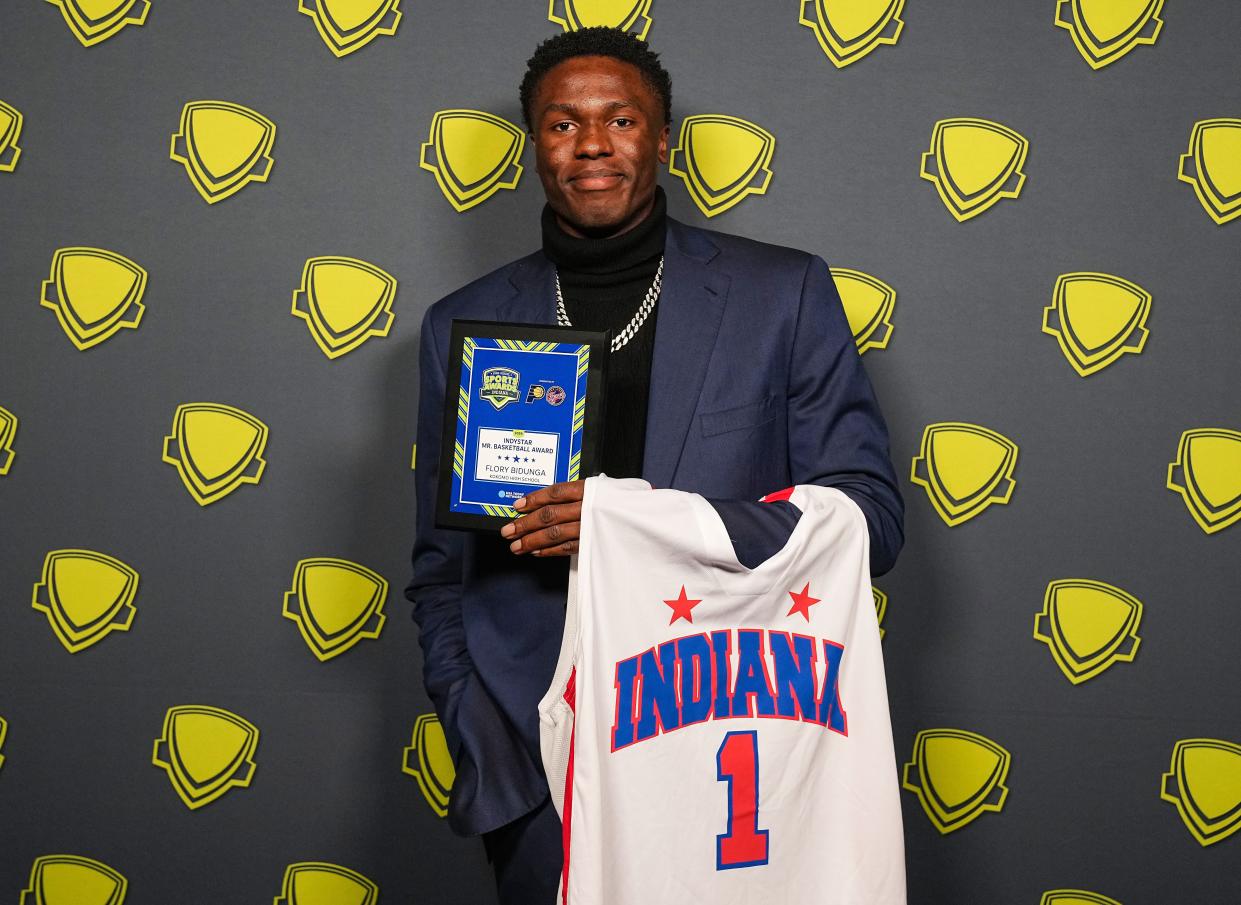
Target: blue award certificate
(522, 411)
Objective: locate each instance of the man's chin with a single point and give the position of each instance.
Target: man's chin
(596, 221)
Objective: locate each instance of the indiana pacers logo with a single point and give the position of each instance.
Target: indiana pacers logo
(472, 155)
(958, 776)
(344, 302)
(10, 132)
(722, 160)
(500, 386)
(223, 147)
(964, 468)
(428, 761)
(1096, 318)
(1204, 782)
(95, 293)
(216, 448)
(848, 30)
(323, 883)
(86, 595)
(349, 25)
(633, 16)
(868, 302)
(205, 751)
(1088, 625)
(974, 163)
(1213, 167)
(73, 880)
(92, 21)
(1106, 30)
(8, 435)
(1207, 475)
(335, 603)
(1075, 897)
(881, 608)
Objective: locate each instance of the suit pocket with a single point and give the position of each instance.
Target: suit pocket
(738, 417)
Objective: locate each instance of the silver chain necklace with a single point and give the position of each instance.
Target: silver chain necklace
(635, 322)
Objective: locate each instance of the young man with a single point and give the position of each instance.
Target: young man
(738, 376)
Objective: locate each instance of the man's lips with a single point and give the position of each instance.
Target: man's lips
(595, 180)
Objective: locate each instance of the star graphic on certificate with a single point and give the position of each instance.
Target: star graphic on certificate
(802, 602)
(682, 607)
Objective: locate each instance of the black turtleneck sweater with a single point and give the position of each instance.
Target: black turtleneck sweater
(603, 282)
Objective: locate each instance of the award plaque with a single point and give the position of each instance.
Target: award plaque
(523, 409)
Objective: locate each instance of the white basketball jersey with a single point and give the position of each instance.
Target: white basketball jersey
(715, 733)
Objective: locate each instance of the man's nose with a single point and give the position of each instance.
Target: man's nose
(593, 140)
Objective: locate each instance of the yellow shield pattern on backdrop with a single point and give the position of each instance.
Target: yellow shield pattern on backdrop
(428, 760)
(223, 147)
(349, 25)
(86, 595)
(473, 155)
(1075, 897)
(1204, 782)
(335, 603)
(1213, 167)
(722, 160)
(92, 21)
(10, 134)
(94, 292)
(344, 302)
(1106, 30)
(323, 883)
(957, 775)
(974, 163)
(1096, 318)
(4, 729)
(1207, 475)
(73, 880)
(964, 468)
(868, 302)
(216, 448)
(8, 434)
(848, 30)
(205, 751)
(1089, 625)
(633, 16)
(881, 608)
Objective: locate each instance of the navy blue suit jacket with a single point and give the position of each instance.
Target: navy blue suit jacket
(756, 385)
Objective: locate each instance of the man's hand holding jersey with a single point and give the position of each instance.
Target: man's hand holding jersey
(551, 521)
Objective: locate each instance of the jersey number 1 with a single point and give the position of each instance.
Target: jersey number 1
(744, 845)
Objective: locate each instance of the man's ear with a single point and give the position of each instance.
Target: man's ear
(663, 143)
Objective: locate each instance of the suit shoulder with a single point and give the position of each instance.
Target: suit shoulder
(477, 298)
(752, 254)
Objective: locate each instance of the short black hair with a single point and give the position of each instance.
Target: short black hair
(601, 41)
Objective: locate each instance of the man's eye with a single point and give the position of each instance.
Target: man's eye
(623, 121)
(562, 127)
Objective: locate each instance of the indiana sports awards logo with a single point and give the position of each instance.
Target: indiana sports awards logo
(1204, 783)
(335, 603)
(964, 468)
(206, 751)
(1088, 626)
(92, 21)
(73, 880)
(722, 160)
(1104, 31)
(1207, 475)
(1212, 165)
(215, 448)
(428, 761)
(8, 436)
(632, 16)
(868, 302)
(344, 302)
(847, 31)
(1096, 318)
(347, 26)
(95, 293)
(86, 595)
(472, 154)
(324, 883)
(957, 776)
(10, 133)
(224, 147)
(974, 163)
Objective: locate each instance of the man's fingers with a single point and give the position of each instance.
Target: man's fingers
(543, 517)
(564, 492)
(550, 539)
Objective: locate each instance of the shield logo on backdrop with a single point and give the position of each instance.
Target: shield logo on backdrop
(73, 880)
(335, 603)
(881, 608)
(321, 883)
(349, 25)
(223, 147)
(1096, 318)
(1075, 897)
(86, 595)
(868, 302)
(1207, 475)
(974, 163)
(722, 160)
(92, 21)
(1088, 625)
(964, 468)
(428, 761)
(10, 133)
(957, 775)
(472, 155)
(4, 728)
(8, 433)
(205, 751)
(344, 302)
(1106, 30)
(1204, 783)
(216, 448)
(94, 292)
(1213, 167)
(848, 30)
(633, 16)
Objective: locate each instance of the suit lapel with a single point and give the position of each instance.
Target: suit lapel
(534, 293)
(691, 306)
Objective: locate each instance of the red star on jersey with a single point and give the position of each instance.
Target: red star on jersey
(802, 602)
(682, 607)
